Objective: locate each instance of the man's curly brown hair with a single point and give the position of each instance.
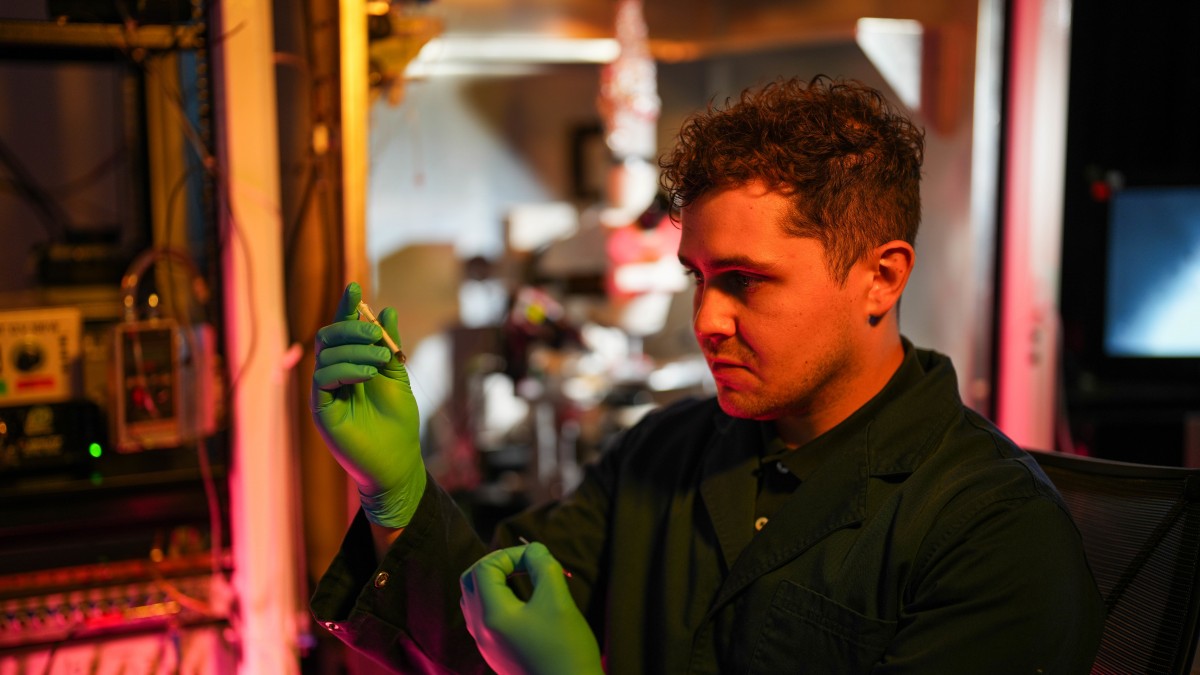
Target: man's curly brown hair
(850, 163)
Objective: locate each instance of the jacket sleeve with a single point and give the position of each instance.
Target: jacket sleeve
(1006, 589)
(404, 611)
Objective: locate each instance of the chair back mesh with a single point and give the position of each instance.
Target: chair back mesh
(1141, 533)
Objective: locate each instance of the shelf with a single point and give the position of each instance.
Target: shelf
(99, 36)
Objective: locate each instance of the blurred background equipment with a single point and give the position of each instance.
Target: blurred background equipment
(39, 355)
(110, 561)
(164, 368)
(47, 437)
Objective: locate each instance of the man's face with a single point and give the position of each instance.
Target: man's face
(779, 333)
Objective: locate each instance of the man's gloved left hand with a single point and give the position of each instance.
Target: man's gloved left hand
(363, 405)
(545, 636)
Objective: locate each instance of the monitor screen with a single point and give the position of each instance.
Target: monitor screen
(1152, 299)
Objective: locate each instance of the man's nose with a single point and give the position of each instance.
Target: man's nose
(712, 315)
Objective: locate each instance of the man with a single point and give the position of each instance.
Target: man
(836, 509)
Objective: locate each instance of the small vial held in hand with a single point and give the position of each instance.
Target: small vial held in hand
(525, 541)
(364, 312)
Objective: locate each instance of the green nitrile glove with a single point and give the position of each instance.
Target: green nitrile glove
(362, 403)
(545, 636)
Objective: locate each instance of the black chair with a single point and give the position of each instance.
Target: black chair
(1141, 532)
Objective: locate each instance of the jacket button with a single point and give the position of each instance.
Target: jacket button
(760, 523)
(381, 579)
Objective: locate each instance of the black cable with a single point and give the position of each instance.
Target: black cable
(291, 231)
(314, 187)
(175, 98)
(333, 244)
(92, 175)
(172, 199)
(53, 218)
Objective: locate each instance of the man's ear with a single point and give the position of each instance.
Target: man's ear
(891, 265)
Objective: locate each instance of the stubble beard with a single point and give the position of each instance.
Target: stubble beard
(817, 385)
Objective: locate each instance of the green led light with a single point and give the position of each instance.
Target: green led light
(95, 450)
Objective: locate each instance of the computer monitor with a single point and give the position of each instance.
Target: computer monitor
(1152, 289)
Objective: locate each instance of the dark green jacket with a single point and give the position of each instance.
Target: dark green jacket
(927, 543)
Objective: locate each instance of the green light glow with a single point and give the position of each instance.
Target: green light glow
(95, 450)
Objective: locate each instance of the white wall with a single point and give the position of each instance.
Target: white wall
(449, 162)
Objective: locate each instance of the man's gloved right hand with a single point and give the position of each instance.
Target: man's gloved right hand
(363, 405)
(546, 636)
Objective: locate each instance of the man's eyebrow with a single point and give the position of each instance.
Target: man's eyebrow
(737, 261)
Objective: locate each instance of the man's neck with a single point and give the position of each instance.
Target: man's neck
(871, 378)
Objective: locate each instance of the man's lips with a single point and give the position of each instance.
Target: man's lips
(718, 363)
(729, 374)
